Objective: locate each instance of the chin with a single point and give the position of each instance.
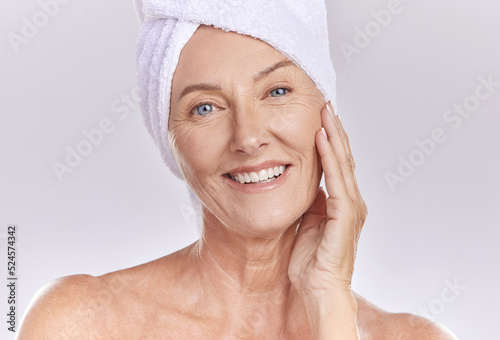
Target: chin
(267, 222)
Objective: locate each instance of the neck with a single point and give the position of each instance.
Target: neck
(247, 275)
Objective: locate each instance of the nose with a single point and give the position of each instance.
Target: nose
(250, 131)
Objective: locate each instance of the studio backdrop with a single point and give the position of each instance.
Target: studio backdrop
(419, 95)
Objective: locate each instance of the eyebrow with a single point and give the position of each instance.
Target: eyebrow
(214, 87)
(200, 87)
(271, 69)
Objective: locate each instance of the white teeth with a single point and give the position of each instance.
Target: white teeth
(254, 177)
(241, 178)
(261, 176)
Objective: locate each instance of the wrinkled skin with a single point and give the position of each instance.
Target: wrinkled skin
(247, 126)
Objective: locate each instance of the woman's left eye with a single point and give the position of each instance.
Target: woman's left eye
(279, 92)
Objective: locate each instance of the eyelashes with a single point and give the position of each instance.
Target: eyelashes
(206, 107)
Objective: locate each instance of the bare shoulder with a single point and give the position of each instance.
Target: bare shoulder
(72, 307)
(89, 307)
(411, 326)
(376, 323)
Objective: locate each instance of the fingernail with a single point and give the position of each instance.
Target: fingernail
(329, 108)
(324, 132)
(340, 119)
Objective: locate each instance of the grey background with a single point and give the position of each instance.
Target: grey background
(121, 207)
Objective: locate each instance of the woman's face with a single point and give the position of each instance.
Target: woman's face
(238, 107)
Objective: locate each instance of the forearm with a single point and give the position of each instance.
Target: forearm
(332, 316)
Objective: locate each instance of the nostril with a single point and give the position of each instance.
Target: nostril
(249, 137)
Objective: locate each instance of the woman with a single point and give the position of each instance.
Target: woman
(251, 135)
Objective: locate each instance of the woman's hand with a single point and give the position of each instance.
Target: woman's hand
(322, 261)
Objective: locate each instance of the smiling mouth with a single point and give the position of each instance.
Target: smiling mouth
(262, 176)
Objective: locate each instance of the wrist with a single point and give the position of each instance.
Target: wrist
(332, 315)
(321, 303)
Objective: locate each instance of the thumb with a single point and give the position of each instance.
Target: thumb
(316, 212)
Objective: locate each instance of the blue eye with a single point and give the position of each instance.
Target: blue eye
(204, 109)
(279, 92)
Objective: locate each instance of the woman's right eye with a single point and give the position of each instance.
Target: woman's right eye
(279, 92)
(203, 109)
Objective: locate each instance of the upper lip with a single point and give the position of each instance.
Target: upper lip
(256, 167)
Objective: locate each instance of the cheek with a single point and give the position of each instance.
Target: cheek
(195, 148)
(297, 124)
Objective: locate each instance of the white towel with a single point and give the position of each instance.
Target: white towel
(296, 28)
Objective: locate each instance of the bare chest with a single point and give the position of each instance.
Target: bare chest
(155, 324)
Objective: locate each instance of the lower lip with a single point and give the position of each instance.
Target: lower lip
(258, 187)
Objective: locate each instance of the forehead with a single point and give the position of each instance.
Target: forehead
(212, 51)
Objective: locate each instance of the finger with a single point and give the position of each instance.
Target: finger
(334, 179)
(345, 139)
(340, 228)
(335, 138)
(316, 212)
(353, 185)
(343, 134)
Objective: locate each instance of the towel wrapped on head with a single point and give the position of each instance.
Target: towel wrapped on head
(296, 28)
